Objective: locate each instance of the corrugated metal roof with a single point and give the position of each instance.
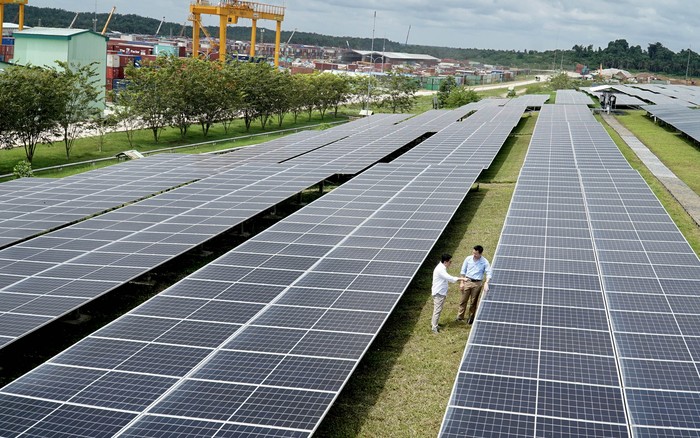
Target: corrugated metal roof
(398, 55)
(53, 31)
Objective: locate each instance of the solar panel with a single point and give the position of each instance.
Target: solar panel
(572, 97)
(682, 118)
(262, 340)
(51, 275)
(566, 316)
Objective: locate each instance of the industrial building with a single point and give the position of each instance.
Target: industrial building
(43, 46)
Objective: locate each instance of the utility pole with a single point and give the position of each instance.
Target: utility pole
(371, 57)
(687, 67)
(407, 34)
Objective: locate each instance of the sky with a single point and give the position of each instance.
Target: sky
(484, 24)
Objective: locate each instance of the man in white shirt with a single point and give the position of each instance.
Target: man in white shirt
(476, 273)
(440, 284)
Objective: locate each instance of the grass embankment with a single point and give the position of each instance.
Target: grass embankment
(402, 385)
(665, 144)
(677, 152)
(88, 148)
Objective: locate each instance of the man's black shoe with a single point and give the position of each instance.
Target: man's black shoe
(471, 320)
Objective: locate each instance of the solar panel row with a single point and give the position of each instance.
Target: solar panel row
(680, 117)
(530, 100)
(578, 336)
(650, 95)
(48, 276)
(468, 141)
(261, 341)
(572, 97)
(680, 93)
(32, 208)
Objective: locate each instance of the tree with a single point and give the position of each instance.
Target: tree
(253, 83)
(181, 111)
(205, 84)
(282, 100)
(340, 92)
(446, 86)
(399, 91)
(365, 89)
(325, 98)
(102, 123)
(561, 82)
(79, 95)
(151, 97)
(31, 106)
(230, 95)
(461, 96)
(298, 91)
(125, 113)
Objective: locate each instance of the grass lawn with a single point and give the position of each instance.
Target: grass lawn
(677, 152)
(88, 148)
(402, 385)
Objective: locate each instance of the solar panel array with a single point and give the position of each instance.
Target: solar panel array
(572, 97)
(590, 326)
(45, 278)
(352, 155)
(42, 207)
(473, 140)
(649, 96)
(682, 118)
(261, 341)
(683, 93)
(48, 276)
(291, 146)
(32, 208)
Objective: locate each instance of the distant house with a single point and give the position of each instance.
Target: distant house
(43, 46)
(616, 73)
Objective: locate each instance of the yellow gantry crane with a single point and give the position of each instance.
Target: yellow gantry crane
(212, 43)
(21, 4)
(229, 11)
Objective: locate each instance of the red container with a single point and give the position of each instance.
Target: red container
(125, 60)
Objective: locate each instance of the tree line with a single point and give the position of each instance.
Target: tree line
(181, 92)
(619, 54)
(38, 105)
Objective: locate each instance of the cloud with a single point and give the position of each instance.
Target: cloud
(497, 24)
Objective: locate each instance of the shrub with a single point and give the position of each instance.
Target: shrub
(23, 169)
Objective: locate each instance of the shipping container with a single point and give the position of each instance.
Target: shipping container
(115, 73)
(165, 50)
(7, 41)
(112, 60)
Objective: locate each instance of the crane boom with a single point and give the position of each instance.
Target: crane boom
(109, 18)
(73, 22)
(160, 25)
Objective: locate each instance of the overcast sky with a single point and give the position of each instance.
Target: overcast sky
(484, 24)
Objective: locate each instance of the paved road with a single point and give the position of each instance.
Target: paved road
(485, 87)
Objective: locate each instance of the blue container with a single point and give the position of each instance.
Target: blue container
(119, 84)
(6, 41)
